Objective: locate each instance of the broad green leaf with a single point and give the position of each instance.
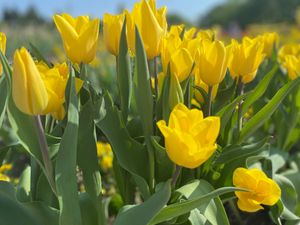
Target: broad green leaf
(131, 155)
(124, 74)
(13, 212)
(183, 207)
(87, 158)
(23, 187)
(4, 91)
(142, 88)
(65, 170)
(143, 213)
(88, 211)
(266, 112)
(211, 209)
(259, 90)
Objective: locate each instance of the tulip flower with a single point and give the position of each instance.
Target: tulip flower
(288, 49)
(292, 64)
(79, 35)
(112, 27)
(212, 62)
(262, 190)
(2, 47)
(270, 40)
(151, 24)
(28, 89)
(245, 58)
(189, 138)
(3, 169)
(38, 89)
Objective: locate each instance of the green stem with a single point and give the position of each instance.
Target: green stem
(151, 165)
(45, 152)
(155, 77)
(176, 175)
(240, 91)
(209, 101)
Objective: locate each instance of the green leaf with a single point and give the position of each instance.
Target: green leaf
(87, 157)
(142, 88)
(4, 91)
(88, 211)
(143, 213)
(183, 207)
(211, 209)
(259, 90)
(265, 113)
(23, 187)
(124, 74)
(14, 212)
(65, 170)
(131, 155)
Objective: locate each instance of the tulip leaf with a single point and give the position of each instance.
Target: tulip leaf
(14, 212)
(3, 97)
(65, 170)
(131, 155)
(259, 90)
(183, 207)
(143, 213)
(142, 88)
(211, 209)
(87, 157)
(124, 73)
(266, 112)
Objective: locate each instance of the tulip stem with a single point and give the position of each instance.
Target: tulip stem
(240, 91)
(176, 175)
(45, 152)
(209, 100)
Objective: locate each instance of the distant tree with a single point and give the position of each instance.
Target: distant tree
(175, 19)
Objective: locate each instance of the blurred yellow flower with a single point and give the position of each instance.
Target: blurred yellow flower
(151, 24)
(189, 138)
(2, 48)
(80, 36)
(262, 190)
(112, 27)
(245, 58)
(288, 49)
(4, 168)
(211, 62)
(105, 155)
(270, 41)
(106, 162)
(292, 65)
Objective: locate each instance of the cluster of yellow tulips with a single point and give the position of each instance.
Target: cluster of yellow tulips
(187, 64)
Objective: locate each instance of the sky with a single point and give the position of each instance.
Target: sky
(189, 9)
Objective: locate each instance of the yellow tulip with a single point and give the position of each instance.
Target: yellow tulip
(28, 89)
(212, 60)
(288, 49)
(245, 58)
(204, 86)
(175, 30)
(79, 35)
(105, 155)
(270, 41)
(262, 190)
(4, 168)
(151, 24)
(189, 138)
(106, 162)
(2, 48)
(292, 65)
(112, 27)
(206, 34)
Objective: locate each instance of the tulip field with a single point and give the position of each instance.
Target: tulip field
(136, 122)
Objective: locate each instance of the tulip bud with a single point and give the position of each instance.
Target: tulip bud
(79, 35)
(288, 49)
(270, 40)
(292, 65)
(262, 190)
(245, 58)
(181, 64)
(211, 61)
(189, 138)
(175, 93)
(2, 48)
(112, 27)
(28, 89)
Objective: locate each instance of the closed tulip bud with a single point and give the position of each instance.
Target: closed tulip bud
(2, 48)
(112, 27)
(169, 45)
(288, 49)
(262, 190)
(245, 58)
(204, 86)
(79, 35)
(181, 64)
(28, 89)
(270, 41)
(189, 138)
(292, 65)
(148, 22)
(212, 60)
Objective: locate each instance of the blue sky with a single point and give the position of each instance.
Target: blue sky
(189, 9)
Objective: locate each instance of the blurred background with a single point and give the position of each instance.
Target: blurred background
(26, 21)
